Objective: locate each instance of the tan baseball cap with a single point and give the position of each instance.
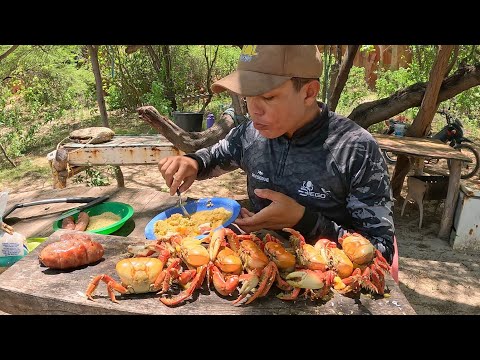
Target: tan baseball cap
(262, 68)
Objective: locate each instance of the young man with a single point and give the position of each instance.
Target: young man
(307, 167)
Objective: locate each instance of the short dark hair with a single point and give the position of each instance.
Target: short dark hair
(299, 82)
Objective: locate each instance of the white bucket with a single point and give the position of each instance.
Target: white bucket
(399, 129)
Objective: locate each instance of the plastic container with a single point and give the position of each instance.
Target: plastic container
(399, 130)
(210, 120)
(194, 206)
(32, 243)
(123, 210)
(188, 121)
(12, 248)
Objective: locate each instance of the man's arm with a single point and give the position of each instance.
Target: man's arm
(221, 157)
(369, 203)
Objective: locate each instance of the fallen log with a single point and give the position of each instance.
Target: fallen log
(184, 140)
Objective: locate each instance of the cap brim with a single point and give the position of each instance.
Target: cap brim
(249, 83)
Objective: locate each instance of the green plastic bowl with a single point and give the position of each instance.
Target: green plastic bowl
(123, 210)
(32, 243)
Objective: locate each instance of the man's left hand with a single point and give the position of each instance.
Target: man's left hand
(282, 212)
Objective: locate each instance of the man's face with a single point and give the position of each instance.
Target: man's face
(279, 111)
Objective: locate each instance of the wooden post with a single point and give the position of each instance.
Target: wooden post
(119, 176)
(451, 200)
(59, 168)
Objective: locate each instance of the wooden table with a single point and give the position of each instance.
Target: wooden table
(28, 288)
(121, 150)
(431, 148)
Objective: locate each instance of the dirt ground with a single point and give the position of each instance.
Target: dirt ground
(434, 278)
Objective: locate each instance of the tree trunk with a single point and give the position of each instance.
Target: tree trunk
(342, 77)
(373, 112)
(8, 52)
(6, 156)
(134, 96)
(170, 89)
(430, 100)
(456, 49)
(210, 65)
(326, 69)
(425, 115)
(184, 140)
(93, 50)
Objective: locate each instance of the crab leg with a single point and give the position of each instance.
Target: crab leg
(164, 279)
(111, 285)
(266, 281)
(197, 282)
(290, 296)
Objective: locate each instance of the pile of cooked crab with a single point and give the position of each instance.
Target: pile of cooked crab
(247, 267)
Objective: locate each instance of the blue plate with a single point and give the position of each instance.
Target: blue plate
(194, 206)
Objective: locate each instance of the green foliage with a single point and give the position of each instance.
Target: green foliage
(42, 83)
(92, 177)
(190, 67)
(126, 77)
(367, 48)
(157, 98)
(355, 91)
(24, 168)
(389, 81)
(466, 105)
(136, 82)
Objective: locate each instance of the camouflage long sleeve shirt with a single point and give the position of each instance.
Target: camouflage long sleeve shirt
(332, 166)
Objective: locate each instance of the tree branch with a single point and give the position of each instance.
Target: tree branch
(8, 52)
(342, 77)
(181, 139)
(372, 112)
(6, 156)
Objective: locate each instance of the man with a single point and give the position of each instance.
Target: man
(307, 167)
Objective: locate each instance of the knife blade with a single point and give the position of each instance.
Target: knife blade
(83, 207)
(48, 201)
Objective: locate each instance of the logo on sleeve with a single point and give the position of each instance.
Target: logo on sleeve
(307, 190)
(259, 176)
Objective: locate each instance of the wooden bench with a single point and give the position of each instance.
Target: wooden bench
(121, 150)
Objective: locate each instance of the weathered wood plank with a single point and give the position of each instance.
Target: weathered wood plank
(422, 147)
(28, 288)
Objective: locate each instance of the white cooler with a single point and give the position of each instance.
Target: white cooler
(465, 233)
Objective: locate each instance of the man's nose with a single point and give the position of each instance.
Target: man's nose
(254, 105)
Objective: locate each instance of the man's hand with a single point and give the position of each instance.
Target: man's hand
(177, 170)
(282, 212)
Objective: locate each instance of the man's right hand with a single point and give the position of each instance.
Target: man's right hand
(178, 170)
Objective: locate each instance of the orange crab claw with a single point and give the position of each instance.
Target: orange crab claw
(216, 239)
(306, 279)
(249, 282)
(224, 285)
(264, 282)
(267, 278)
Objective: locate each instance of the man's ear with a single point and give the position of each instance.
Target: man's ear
(311, 92)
